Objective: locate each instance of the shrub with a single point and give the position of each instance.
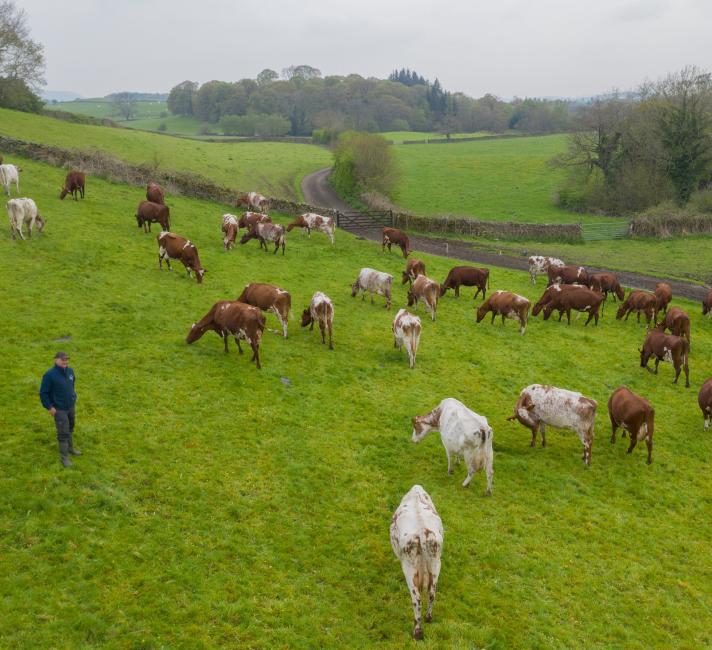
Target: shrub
(702, 201)
(204, 129)
(162, 126)
(163, 114)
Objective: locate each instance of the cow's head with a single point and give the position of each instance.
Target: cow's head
(620, 312)
(620, 292)
(645, 354)
(195, 333)
(354, 288)
(406, 277)
(482, 311)
(421, 427)
(411, 298)
(250, 234)
(40, 223)
(139, 221)
(199, 273)
(306, 317)
(63, 193)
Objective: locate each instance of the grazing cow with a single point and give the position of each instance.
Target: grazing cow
(10, 174)
(606, 283)
(397, 237)
(253, 201)
(249, 219)
(229, 229)
(427, 290)
(73, 184)
(704, 399)
(312, 221)
(148, 213)
(678, 322)
(463, 433)
(635, 414)
(663, 296)
(266, 232)
(374, 282)
(581, 300)
(707, 305)
(541, 405)
(230, 318)
(413, 268)
(639, 301)
(550, 294)
(23, 211)
(567, 274)
(172, 246)
(269, 298)
(321, 310)
(417, 540)
(507, 305)
(406, 329)
(467, 276)
(666, 347)
(539, 265)
(155, 193)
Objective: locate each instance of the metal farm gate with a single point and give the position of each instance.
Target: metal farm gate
(604, 231)
(364, 220)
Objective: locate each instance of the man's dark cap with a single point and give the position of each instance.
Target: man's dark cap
(61, 355)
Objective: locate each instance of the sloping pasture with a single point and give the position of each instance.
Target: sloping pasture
(220, 506)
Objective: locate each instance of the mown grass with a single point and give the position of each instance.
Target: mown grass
(220, 506)
(272, 168)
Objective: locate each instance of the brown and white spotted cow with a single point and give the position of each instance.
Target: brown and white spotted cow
(249, 219)
(231, 318)
(427, 290)
(148, 213)
(635, 414)
(678, 322)
(606, 283)
(406, 331)
(374, 282)
(417, 540)
(312, 221)
(707, 305)
(639, 301)
(266, 232)
(253, 201)
(541, 405)
(507, 305)
(172, 246)
(704, 399)
(466, 276)
(268, 297)
(321, 310)
(567, 274)
(663, 295)
(666, 347)
(413, 268)
(398, 237)
(229, 229)
(155, 193)
(539, 265)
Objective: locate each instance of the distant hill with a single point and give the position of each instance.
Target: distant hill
(59, 95)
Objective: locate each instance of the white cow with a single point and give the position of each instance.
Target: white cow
(417, 540)
(539, 265)
(463, 433)
(23, 211)
(541, 405)
(10, 174)
(406, 329)
(374, 282)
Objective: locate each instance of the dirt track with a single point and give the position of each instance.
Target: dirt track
(318, 192)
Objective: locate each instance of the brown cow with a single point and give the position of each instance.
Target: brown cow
(707, 305)
(73, 184)
(155, 193)
(567, 274)
(635, 414)
(507, 305)
(172, 246)
(413, 268)
(467, 276)
(704, 399)
(580, 300)
(663, 295)
(248, 219)
(397, 237)
(427, 290)
(148, 213)
(606, 283)
(269, 298)
(678, 322)
(321, 310)
(666, 347)
(264, 232)
(638, 301)
(550, 293)
(231, 318)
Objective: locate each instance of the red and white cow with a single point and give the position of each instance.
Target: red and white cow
(321, 310)
(427, 290)
(229, 229)
(539, 265)
(374, 282)
(507, 305)
(269, 297)
(265, 232)
(253, 200)
(312, 221)
(704, 399)
(635, 414)
(172, 246)
(406, 331)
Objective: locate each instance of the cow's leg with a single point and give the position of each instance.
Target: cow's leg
(471, 466)
(502, 315)
(614, 428)
(542, 429)
(627, 314)
(255, 354)
(283, 321)
(649, 444)
(633, 442)
(331, 343)
(449, 462)
(489, 472)
(433, 576)
(687, 373)
(409, 571)
(657, 363)
(239, 347)
(534, 429)
(388, 299)
(322, 327)
(494, 315)
(225, 336)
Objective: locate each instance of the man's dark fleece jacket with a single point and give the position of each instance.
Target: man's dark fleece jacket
(57, 389)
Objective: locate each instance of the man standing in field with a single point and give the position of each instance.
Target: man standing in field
(58, 397)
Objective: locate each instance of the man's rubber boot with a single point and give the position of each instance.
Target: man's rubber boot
(72, 450)
(64, 453)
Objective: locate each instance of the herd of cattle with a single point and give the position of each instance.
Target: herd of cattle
(416, 529)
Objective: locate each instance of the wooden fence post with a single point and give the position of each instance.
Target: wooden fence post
(392, 224)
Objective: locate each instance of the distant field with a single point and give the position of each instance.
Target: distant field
(218, 506)
(273, 168)
(399, 136)
(102, 108)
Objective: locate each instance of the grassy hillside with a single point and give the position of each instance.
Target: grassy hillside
(217, 505)
(506, 180)
(272, 168)
(102, 108)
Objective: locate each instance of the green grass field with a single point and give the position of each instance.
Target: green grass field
(102, 108)
(272, 168)
(398, 136)
(220, 506)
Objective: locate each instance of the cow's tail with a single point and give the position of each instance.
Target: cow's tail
(412, 345)
(488, 280)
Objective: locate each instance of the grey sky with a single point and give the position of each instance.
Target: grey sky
(505, 47)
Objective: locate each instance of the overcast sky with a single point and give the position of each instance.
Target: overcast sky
(506, 47)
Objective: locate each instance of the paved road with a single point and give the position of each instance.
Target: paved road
(318, 192)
